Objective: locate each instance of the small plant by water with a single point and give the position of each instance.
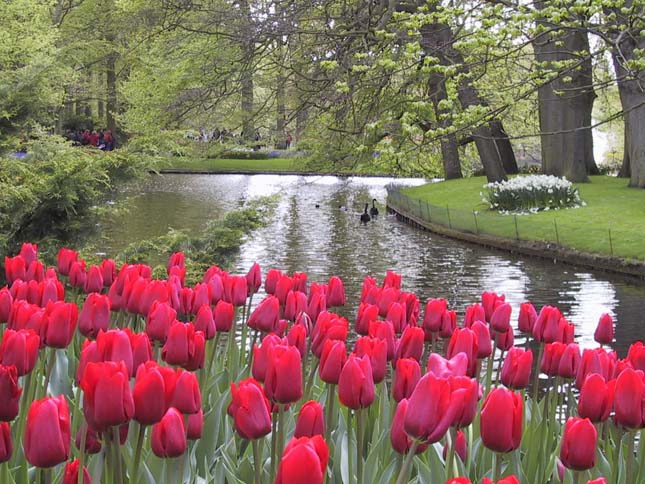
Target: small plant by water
(531, 194)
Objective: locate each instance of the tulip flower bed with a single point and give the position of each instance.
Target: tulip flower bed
(112, 376)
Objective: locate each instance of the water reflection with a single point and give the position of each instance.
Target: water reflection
(316, 228)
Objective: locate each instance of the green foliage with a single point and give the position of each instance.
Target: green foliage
(218, 243)
(51, 191)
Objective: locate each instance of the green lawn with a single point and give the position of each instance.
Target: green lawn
(227, 165)
(613, 221)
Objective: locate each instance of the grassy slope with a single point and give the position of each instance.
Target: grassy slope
(271, 164)
(611, 205)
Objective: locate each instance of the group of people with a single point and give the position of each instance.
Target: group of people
(103, 140)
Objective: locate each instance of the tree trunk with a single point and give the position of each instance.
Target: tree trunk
(565, 104)
(280, 115)
(111, 104)
(504, 147)
(246, 76)
(449, 151)
(437, 41)
(627, 48)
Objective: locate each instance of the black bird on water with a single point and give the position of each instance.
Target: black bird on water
(373, 210)
(365, 217)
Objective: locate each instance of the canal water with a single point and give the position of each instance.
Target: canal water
(316, 229)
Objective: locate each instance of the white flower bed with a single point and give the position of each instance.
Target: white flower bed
(531, 194)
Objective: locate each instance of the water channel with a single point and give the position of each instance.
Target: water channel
(316, 229)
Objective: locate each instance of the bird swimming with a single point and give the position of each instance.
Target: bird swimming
(373, 210)
(365, 217)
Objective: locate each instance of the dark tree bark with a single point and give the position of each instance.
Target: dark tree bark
(449, 149)
(111, 98)
(628, 41)
(246, 75)
(565, 104)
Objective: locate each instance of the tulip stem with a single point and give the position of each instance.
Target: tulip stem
(497, 466)
(257, 460)
(536, 378)
(116, 440)
(310, 381)
(360, 429)
(630, 456)
(329, 411)
(578, 479)
(211, 363)
(274, 441)
(81, 458)
(641, 454)
(350, 470)
(50, 368)
(451, 441)
(405, 470)
(242, 354)
(281, 427)
(141, 432)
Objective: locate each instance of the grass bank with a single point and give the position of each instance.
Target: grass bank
(611, 223)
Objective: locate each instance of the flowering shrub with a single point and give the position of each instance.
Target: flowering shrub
(531, 193)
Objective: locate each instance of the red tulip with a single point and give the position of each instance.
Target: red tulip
(235, 290)
(406, 376)
(500, 320)
(328, 326)
(317, 305)
(596, 360)
(566, 331)
(386, 297)
(484, 343)
(474, 312)
(604, 333)
(443, 368)
(186, 297)
(141, 349)
(399, 439)
(94, 280)
(304, 461)
(272, 280)
(392, 279)
(223, 316)
(551, 358)
(596, 398)
(545, 328)
(295, 305)
(569, 361)
(310, 421)
(578, 450)
(491, 301)
(461, 448)
(95, 315)
(60, 322)
(266, 315)
(107, 400)
(185, 395)
(6, 445)
(70, 476)
(108, 272)
(526, 319)
(332, 361)
(184, 347)
(464, 340)
(410, 345)
(195, 425)
(6, 302)
(149, 394)
(448, 324)
(250, 409)
(433, 314)
(501, 420)
(114, 345)
(299, 281)
(47, 432)
(459, 480)
(355, 383)
(465, 392)
(176, 259)
(629, 395)
(397, 314)
(504, 341)
(376, 349)
(15, 268)
(636, 355)
(20, 348)
(297, 336)
(92, 442)
(65, 259)
(283, 379)
(336, 292)
(261, 355)
(516, 370)
(29, 252)
(284, 287)
(506, 480)
(431, 409)
(9, 393)
(366, 314)
(384, 330)
(168, 437)
(77, 274)
(600, 480)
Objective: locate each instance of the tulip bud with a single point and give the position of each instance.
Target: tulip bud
(604, 333)
(9, 393)
(355, 383)
(501, 420)
(6, 445)
(47, 417)
(579, 440)
(250, 409)
(72, 469)
(304, 461)
(311, 420)
(168, 437)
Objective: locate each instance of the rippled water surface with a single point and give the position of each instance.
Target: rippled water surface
(316, 228)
